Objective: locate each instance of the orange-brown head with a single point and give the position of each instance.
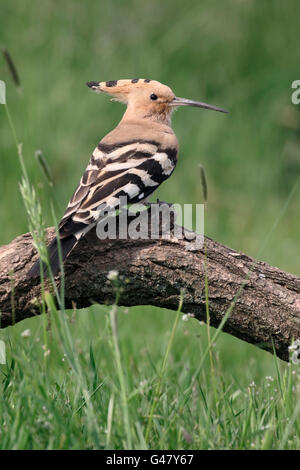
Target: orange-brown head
(146, 98)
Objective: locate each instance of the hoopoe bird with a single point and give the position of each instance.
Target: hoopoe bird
(132, 160)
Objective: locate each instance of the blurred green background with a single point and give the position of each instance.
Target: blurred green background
(240, 55)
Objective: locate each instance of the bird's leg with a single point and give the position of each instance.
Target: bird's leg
(161, 203)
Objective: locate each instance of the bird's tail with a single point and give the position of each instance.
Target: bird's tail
(66, 246)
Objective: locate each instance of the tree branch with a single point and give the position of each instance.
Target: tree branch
(153, 272)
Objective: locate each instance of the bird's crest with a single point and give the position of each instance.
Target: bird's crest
(124, 85)
(125, 89)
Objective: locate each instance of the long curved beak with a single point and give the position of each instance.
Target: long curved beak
(184, 102)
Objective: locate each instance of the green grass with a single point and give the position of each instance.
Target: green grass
(74, 383)
(72, 399)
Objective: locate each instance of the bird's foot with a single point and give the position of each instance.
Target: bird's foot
(158, 202)
(161, 203)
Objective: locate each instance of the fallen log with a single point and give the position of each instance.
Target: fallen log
(265, 300)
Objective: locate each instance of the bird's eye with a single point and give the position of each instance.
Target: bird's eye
(153, 97)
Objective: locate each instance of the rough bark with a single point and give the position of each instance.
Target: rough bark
(153, 272)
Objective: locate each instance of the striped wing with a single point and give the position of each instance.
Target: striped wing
(132, 169)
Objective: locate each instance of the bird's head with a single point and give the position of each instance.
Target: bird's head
(146, 98)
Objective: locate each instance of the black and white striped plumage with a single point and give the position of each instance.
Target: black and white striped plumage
(133, 168)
